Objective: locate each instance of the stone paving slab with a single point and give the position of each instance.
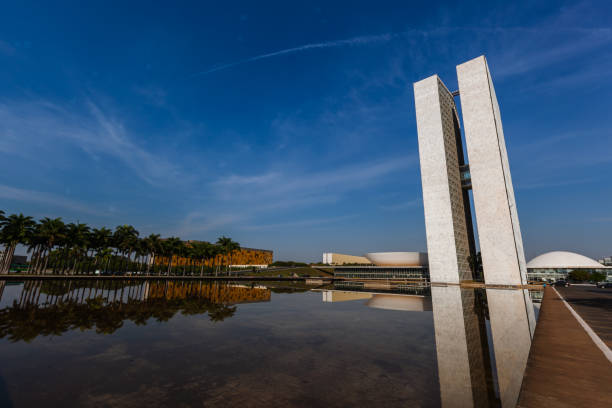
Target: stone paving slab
(565, 368)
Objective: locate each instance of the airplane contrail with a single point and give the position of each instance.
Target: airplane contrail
(368, 39)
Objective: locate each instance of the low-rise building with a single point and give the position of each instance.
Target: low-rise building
(388, 265)
(607, 261)
(556, 265)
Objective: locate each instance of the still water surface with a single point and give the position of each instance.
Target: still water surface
(193, 343)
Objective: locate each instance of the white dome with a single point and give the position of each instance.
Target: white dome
(398, 258)
(564, 260)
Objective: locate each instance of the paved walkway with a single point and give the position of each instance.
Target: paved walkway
(594, 305)
(565, 367)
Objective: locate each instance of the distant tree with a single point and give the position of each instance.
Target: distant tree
(77, 248)
(201, 251)
(154, 247)
(228, 246)
(579, 275)
(289, 264)
(598, 277)
(16, 229)
(35, 244)
(77, 236)
(172, 246)
(100, 240)
(126, 240)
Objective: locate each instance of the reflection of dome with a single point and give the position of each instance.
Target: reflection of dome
(398, 258)
(562, 259)
(399, 302)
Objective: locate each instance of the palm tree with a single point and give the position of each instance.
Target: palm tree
(2, 220)
(181, 255)
(35, 247)
(215, 251)
(74, 248)
(103, 257)
(228, 246)
(153, 245)
(16, 229)
(78, 235)
(201, 251)
(126, 238)
(51, 232)
(100, 240)
(142, 251)
(172, 246)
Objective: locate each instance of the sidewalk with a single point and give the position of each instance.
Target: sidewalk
(565, 367)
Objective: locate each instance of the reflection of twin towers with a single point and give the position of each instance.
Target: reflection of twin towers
(476, 368)
(464, 357)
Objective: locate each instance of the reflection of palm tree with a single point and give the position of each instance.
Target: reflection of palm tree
(72, 305)
(221, 312)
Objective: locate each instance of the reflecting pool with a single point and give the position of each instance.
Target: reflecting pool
(196, 343)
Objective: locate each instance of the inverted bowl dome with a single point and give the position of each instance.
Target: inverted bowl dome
(399, 302)
(563, 259)
(398, 258)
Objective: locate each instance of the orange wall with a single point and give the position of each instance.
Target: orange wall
(244, 256)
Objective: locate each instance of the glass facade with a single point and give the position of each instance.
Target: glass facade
(409, 289)
(382, 272)
(555, 274)
(607, 261)
(466, 178)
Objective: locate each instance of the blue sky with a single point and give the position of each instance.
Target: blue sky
(291, 126)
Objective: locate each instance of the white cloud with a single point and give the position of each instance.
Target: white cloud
(45, 127)
(278, 185)
(362, 40)
(311, 222)
(555, 183)
(539, 51)
(402, 205)
(49, 199)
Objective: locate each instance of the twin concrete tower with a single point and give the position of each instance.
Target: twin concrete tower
(447, 178)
